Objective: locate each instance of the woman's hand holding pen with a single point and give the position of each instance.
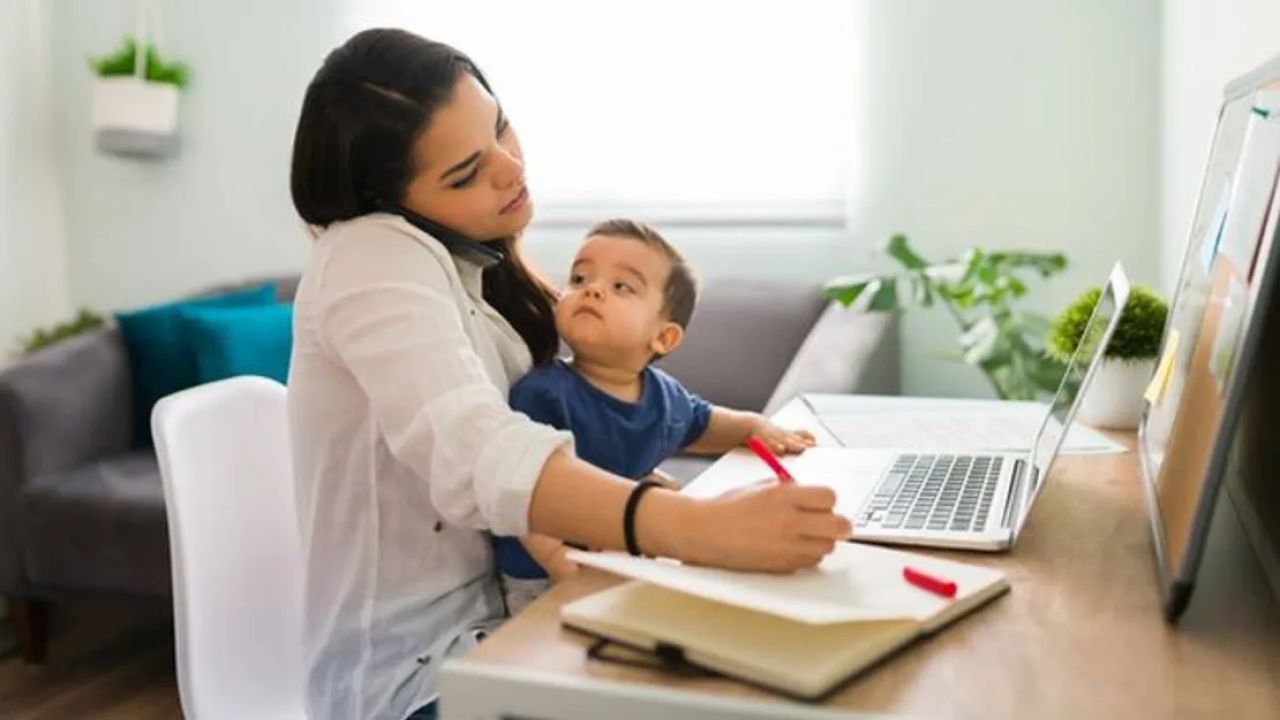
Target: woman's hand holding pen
(772, 526)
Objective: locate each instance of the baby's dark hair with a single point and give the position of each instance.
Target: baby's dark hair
(681, 292)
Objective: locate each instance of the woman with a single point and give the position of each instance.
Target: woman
(404, 447)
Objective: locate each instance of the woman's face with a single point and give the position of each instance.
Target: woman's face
(469, 168)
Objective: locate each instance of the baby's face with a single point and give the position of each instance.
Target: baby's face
(611, 310)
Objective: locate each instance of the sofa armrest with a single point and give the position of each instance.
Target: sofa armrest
(69, 404)
(845, 352)
(60, 408)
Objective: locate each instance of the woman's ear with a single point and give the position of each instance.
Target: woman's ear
(667, 339)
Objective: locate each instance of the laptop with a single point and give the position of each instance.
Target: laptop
(981, 500)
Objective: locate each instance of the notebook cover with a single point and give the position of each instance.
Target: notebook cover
(801, 659)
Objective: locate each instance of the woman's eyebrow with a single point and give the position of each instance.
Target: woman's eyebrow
(502, 118)
(462, 165)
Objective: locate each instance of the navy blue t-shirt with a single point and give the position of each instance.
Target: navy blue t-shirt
(625, 438)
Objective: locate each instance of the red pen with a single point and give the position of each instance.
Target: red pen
(945, 588)
(759, 448)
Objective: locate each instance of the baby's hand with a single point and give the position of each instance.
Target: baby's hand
(559, 566)
(784, 441)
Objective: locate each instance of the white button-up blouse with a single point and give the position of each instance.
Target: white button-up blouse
(404, 453)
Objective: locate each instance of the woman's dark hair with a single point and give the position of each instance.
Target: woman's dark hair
(363, 110)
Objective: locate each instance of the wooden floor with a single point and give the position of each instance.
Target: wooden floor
(106, 660)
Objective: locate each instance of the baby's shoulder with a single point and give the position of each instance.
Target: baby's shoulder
(548, 379)
(669, 383)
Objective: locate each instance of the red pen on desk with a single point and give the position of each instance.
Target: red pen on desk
(945, 588)
(759, 448)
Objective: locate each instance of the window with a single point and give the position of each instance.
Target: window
(703, 112)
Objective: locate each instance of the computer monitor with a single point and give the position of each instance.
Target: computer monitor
(1211, 339)
(1247, 456)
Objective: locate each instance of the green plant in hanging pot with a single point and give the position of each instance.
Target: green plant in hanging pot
(135, 100)
(1114, 399)
(979, 290)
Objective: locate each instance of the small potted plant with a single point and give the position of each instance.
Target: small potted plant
(1114, 399)
(135, 101)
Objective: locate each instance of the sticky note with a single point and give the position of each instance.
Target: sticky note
(1164, 371)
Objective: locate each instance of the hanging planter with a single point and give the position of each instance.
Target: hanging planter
(135, 100)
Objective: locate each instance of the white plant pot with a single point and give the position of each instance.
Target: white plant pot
(134, 117)
(1114, 399)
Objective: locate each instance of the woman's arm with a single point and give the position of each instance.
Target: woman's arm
(727, 429)
(769, 526)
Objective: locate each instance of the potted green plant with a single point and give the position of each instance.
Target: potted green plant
(1114, 399)
(135, 100)
(979, 290)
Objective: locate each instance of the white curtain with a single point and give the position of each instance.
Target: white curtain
(695, 110)
(33, 275)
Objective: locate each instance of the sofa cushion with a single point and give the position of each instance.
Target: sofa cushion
(232, 341)
(846, 352)
(98, 527)
(161, 358)
(741, 339)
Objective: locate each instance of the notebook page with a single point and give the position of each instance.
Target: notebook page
(855, 582)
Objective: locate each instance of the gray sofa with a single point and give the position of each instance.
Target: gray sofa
(81, 512)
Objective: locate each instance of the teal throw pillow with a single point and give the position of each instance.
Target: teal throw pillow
(232, 341)
(161, 358)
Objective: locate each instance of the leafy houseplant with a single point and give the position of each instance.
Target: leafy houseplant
(978, 290)
(1115, 398)
(41, 338)
(135, 100)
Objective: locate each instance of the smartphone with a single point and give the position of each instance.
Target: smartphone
(457, 243)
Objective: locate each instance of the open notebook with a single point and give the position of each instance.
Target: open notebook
(800, 634)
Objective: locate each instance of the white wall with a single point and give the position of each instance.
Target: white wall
(141, 231)
(994, 122)
(1206, 45)
(33, 283)
(1011, 124)
(999, 123)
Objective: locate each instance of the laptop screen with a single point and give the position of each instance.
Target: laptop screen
(1089, 352)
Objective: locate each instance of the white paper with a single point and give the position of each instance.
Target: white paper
(1227, 341)
(855, 582)
(851, 473)
(1005, 430)
(1254, 183)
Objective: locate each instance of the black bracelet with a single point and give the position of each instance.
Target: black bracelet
(629, 514)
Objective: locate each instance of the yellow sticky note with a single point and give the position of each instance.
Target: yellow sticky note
(1164, 371)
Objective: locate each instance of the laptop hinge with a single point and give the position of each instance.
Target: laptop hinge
(1015, 492)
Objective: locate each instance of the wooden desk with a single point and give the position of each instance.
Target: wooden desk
(1080, 635)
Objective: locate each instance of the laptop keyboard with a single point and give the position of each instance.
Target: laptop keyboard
(933, 492)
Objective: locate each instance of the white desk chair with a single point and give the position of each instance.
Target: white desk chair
(236, 554)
